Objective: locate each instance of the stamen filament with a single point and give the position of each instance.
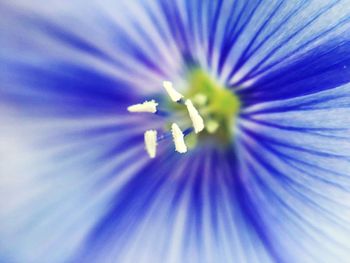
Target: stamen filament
(162, 113)
(188, 131)
(168, 135)
(164, 136)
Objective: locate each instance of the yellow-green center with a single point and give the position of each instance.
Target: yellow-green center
(217, 105)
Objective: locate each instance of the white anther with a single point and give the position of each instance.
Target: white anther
(147, 106)
(197, 120)
(151, 142)
(173, 94)
(178, 136)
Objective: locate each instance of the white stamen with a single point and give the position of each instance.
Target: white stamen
(196, 119)
(173, 94)
(178, 136)
(151, 142)
(147, 106)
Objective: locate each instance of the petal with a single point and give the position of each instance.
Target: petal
(297, 155)
(322, 68)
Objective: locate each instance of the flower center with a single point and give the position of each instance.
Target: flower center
(217, 105)
(210, 109)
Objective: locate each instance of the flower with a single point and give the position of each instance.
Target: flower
(268, 181)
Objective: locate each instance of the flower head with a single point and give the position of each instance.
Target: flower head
(256, 94)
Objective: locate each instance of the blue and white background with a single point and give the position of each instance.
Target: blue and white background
(75, 182)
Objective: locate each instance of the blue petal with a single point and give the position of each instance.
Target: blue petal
(322, 68)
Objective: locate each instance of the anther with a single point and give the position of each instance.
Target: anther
(178, 136)
(150, 137)
(147, 106)
(173, 94)
(197, 120)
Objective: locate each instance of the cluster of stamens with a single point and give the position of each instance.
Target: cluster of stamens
(151, 137)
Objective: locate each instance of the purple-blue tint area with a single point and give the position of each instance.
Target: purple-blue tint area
(140, 194)
(302, 27)
(131, 203)
(249, 207)
(235, 27)
(272, 146)
(324, 67)
(66, 89)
